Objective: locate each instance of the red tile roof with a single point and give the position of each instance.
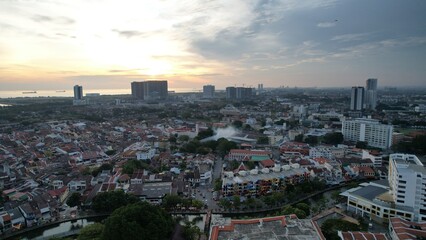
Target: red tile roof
(363, 236)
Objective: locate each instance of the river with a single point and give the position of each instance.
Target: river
(59, 228)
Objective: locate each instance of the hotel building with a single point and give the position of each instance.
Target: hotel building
(402, 195)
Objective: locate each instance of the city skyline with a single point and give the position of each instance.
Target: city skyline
(108, 44)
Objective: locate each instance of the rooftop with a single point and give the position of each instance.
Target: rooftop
(260, 176)
(369, 192)
(280, 227)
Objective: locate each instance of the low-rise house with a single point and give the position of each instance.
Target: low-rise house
(205, 171)
(77, 185)
(5, 222)
(103, 177)
(192, 177)
(28, 213)
(268, 163)
(155, 192)
(16, 218)
(138, 177)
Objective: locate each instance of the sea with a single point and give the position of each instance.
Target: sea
(70, 93)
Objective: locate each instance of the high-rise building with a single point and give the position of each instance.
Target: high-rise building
(137, 89)
(78, 92)
(239, 92)
(231, 93)
(407, 181)
(368, 130)
(260, 87)
(357, 99)
(208, 91)
(371, 93)
(150, 90)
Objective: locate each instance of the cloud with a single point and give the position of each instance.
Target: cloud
(349, 37)
(327, 24)
(126, 70)
(57, 20)
(129, 33)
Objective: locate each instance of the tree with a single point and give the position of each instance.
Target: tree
(183, 138)
(224, 146)
(225, 203)
(262, 140)
(170, 202)
(191, 231)
(74, 199)
(415, 146)
(110, 152)
(218, 184)
(172, 139)
(304, 207)
(91, 232)
(138, 221)
(234, 164)
(198, 204)
(250, 165)
(299, 138)
(333, 138)
(130, 166)
(205, 133)
(313, 140)
(250, 202)
(109, 201)
(361, 144)
(292, 210)
(236, 202)
(330, 227)
(237, 124)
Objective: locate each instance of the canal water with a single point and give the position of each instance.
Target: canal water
(59, 228)
(199, 221)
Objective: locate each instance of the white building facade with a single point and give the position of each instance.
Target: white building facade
(368, 130)
(407, 181)
(403, 195)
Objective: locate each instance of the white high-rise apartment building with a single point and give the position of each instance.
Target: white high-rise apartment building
(407, 182)
(368, 130)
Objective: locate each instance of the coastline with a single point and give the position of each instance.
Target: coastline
(70, 93)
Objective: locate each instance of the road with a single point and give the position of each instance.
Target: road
(205, 193)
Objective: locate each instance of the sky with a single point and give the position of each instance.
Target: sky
(106, 44)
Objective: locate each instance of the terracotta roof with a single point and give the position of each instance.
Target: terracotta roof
(267, 163)
(363, 236)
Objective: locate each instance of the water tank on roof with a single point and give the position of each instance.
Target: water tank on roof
(295, 165)
(265, 170)
(286, 167)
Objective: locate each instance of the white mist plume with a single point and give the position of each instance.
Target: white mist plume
(222, 133)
